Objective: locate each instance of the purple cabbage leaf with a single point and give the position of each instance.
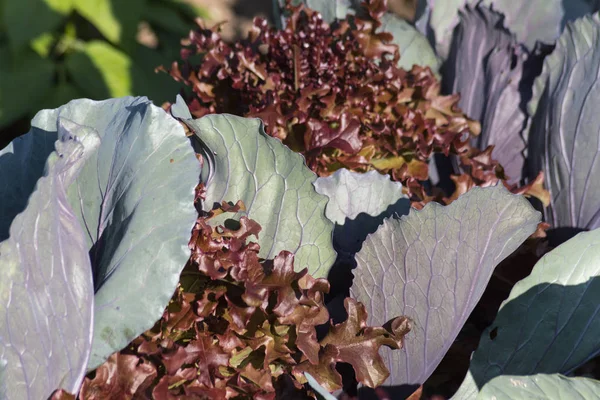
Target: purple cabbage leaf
(414, 46)
(485, 67)
(540, 386)
(550, 322)
(531, 21)
(433, 266)
(358, 204)
(113, 206)
(46, 288)
(563, 140)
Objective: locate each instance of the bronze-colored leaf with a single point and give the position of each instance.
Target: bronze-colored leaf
(204, 352)
(122, 377)
(359, 345)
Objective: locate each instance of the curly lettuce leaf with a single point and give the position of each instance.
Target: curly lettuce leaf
(414, 46)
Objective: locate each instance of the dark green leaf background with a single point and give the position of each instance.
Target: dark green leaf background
(53, 51)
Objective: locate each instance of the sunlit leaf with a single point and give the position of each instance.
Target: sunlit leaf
(46, 289)
(433, 266)
(540, 387)
(101, 70)
(549, 323)
(243, 163)
(564, 140)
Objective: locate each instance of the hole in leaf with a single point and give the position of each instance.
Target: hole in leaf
(232, 224)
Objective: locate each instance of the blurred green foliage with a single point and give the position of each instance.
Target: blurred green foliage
(52, 51)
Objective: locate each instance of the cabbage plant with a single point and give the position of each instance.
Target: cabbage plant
(96, 214)
(110, 215)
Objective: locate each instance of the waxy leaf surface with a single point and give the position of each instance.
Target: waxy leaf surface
(133, 199)
(564, 140)
(3, 383)
(530, 21)
(414, 46)
(549, 323)
(358, 204)
(540, 387)
(484, 67)
(432, 266)
(46, 288)
(243, 163)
